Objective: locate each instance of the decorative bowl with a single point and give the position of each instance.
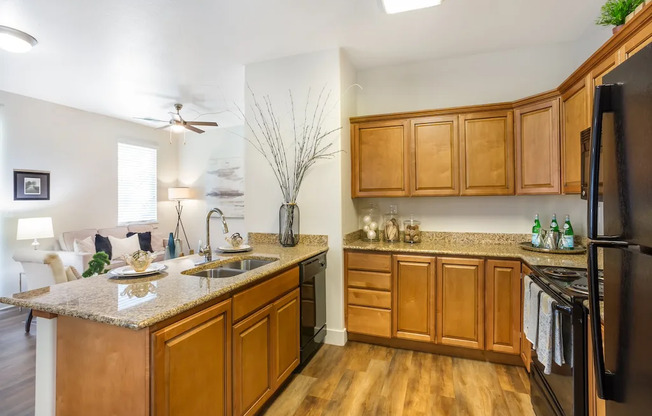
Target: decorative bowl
(235, 240)
(139, 260)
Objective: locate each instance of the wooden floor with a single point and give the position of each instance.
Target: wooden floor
(358, 379)
(362, 379)
(17, 364)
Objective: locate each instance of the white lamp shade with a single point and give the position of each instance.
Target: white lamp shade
(175, 194)
(31, 228)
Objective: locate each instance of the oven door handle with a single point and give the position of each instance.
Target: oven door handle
(563, 308)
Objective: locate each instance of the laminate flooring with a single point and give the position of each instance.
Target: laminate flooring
(17, 363)
(363, 379)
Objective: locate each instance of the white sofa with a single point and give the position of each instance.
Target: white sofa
(80, 260)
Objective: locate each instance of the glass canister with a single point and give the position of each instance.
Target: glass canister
(412, 231)
(392, 225)
(370, 223)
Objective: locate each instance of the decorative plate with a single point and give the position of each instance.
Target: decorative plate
(229, 249)
(128, 271)
(578, 249)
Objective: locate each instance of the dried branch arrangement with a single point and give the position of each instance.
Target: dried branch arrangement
(290, 160)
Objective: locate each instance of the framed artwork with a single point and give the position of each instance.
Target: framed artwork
(31, 185)
(225, 185)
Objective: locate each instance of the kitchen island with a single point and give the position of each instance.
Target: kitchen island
(169, 343)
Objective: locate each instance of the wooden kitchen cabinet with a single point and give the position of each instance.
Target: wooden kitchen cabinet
(597, 406)
(434, 168)
(575, 115)
(487, 153)
(286, 315)
(526, 346)
(635, 43)
(253, 360)
(380, 158)
(192, 364)
(413, 314)
(597, 73)
(460, 302)
(537, 133)
(503, 311)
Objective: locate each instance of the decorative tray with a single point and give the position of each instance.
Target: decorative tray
(241, 249)
(578, 249)
(129, 272)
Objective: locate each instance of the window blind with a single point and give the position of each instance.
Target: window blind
(136, 184)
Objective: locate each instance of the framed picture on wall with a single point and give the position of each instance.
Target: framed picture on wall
(31, 185)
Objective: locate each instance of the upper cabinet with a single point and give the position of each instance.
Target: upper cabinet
(435, 156)
(380, 157)
(575, 117)
(536, 128)
(635, 43)
(487, 153)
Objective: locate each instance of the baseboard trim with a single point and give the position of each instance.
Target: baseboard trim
(336, 337)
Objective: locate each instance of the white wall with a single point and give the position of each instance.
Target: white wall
(348, 104)
(194, 157)
(80, 151)
(478, 79)
(320, 198)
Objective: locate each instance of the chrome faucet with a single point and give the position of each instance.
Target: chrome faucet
(206, 251)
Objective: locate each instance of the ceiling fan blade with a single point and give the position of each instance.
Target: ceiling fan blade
(152, 120)
(191, 128)
(202, 123)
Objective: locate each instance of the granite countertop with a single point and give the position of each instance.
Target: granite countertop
(140, 303)
(474, 248)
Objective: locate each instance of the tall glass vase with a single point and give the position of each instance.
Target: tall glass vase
(288, 224)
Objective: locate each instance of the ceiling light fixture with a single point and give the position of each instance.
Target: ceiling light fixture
(13, 40)
(399, 6)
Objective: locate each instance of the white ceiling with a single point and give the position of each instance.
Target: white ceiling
(126, 58)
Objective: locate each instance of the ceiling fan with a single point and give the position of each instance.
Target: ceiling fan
(178, 124)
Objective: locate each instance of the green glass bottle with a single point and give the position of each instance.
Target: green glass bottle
(536, 232)
(553, 224)
(569, 236)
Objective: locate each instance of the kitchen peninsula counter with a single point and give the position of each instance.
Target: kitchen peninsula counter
(138, 303)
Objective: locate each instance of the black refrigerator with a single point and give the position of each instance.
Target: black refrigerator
(622, 124)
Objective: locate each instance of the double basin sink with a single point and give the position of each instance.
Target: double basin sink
(232, 268)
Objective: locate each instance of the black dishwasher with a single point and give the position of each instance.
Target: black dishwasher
(313, 305)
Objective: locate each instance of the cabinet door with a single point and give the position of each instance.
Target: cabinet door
(253, 358)
(526, 346)
(537, 149)
(503, 306)
(460, 302)
(286, 336)
(638, 41)
(435, 156)
(597, 73)
(414, 298)
(487, 153)
(192, 364)
(576, 117)
(379, 159)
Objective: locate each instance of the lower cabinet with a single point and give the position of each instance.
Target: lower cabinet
(192, 364)
(460, 302)
(265, 352)
(526, 346)
(414, 298)
(597, 406)
(502, 306)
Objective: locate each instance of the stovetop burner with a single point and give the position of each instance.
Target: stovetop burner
(571, 282)
(562, 273)
(583, 287)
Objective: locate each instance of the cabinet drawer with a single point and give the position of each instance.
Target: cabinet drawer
(260, 295)
(373, 298)
(369, 280)
(371, 262)
(370, 321)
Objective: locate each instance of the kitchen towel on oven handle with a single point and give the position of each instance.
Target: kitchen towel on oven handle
(531, 309)
(545, 334)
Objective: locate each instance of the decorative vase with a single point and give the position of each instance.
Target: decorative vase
(288, 224)
(171, 246)
(370, 223)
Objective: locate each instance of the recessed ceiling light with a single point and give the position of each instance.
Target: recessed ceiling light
(13, 40)
(399, 6)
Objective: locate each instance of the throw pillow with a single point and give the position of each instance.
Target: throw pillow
(144, 239)
(103, 244)
(124, 246)
(84, 246)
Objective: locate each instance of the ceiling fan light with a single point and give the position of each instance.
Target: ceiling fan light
(13, 40)
(399, 6)
(178, 128)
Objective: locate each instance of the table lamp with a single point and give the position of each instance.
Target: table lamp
(34, 228)
(179, 194)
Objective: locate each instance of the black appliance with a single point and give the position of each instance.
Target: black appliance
(312, 284)
(622, 125)
(585, 140)
(563, 392)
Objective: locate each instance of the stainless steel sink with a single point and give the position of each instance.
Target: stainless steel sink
(232, 268)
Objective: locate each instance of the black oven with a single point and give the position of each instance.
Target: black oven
(312, 284)
(563, 392)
